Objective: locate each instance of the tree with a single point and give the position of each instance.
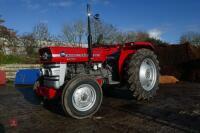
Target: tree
(191, 37)
(109, 33)
(5, 32)
(79, 31)
(103, 33)
(145, 37)
(1, 20)
(74, 33)
(29, 44)
(8, 37)
(155, 41)
(142, 36)
(123, 37)
(41, 32)
(96, 29)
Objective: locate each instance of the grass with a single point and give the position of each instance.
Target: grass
(16, 59)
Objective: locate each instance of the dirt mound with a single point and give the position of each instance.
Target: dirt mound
(172, 54)
(181, 61)
(194, 52)
(168, 79)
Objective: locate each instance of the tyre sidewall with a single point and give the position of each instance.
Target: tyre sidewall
(157, 72)
(68, 93)
(134, 74)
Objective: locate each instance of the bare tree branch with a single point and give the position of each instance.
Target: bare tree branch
(41, 32)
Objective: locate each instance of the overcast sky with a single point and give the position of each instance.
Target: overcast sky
(164, 19)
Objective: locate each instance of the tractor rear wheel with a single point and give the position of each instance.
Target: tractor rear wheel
(143, 74)
(81, 97)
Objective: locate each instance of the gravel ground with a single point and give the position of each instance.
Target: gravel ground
(176, 108)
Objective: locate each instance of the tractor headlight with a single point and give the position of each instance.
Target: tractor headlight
(95, 67)
(99, 65)
(45, 56)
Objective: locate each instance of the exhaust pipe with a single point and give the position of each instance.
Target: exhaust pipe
(90, 55)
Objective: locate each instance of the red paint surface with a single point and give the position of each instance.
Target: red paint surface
(79, 55)
(100, 81)
(49, 93)
(123, 56)
(2, 77)
(13, 122)
(99, 54)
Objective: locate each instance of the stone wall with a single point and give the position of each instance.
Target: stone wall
(11, 69)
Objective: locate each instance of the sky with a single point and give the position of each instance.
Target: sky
(163, 19)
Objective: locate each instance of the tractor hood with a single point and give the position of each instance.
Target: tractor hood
(61, 54)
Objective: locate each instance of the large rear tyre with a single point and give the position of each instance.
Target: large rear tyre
(143, 74)
(81, 97)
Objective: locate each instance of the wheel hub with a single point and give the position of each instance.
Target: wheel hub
(84, 97)
(148, 74)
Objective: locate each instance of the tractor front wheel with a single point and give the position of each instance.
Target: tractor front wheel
(81, 97)
(143, 74)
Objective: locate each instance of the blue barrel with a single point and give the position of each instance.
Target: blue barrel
(27, 76)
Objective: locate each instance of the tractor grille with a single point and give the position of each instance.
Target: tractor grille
(54, 75)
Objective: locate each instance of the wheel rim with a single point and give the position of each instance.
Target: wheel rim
(84, 97)
(148, 74)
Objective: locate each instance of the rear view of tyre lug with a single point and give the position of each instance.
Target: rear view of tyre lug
(81, 97)
(146, 88)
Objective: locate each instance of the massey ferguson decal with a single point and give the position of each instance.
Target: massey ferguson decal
(75, 55)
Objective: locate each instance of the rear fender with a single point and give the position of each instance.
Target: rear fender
(122, 60)
(129, 49)
(139, 45)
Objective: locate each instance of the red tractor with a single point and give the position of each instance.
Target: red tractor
(78, 74)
